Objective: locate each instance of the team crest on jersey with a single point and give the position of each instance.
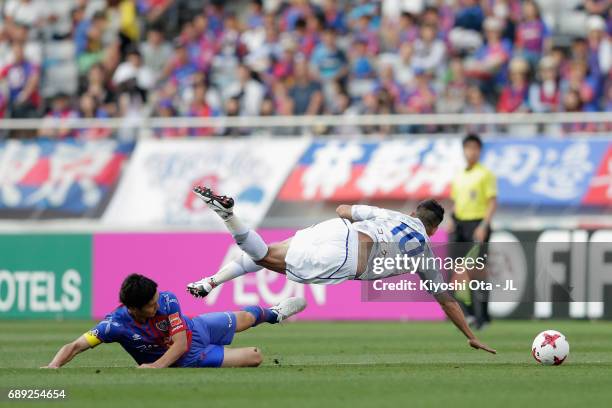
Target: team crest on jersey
(162, 325)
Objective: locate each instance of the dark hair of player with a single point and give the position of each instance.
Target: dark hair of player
(430, 212)
(472, 137)
(137, 290)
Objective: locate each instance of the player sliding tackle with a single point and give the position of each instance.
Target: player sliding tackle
(151, 328)
(336, 250)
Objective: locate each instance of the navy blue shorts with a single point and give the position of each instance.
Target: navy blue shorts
(211, 331)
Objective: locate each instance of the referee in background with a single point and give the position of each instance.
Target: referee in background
(474, 196)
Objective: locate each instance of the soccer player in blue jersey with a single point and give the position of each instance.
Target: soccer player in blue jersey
(149, 325)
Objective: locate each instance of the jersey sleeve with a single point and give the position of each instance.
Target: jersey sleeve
(368, 212)
(106, 331)
(490, 185)
(364, 212)
(173, 310)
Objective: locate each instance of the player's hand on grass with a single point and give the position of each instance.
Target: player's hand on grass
(147, 366)
(50, 366)
(477, 344)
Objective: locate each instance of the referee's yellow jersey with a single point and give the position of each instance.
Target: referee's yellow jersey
(471, 191)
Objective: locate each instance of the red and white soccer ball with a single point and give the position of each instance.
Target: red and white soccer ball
(550, 348)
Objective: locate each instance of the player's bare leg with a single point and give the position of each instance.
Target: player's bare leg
(242, 357)
(257, 254)
(252, 316)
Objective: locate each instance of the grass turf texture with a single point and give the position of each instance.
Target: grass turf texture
(356, 364)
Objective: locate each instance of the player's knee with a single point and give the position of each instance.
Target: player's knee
(255, 357)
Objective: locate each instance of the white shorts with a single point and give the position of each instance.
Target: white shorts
(325, 253)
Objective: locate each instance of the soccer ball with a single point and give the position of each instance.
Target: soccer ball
(550, 348)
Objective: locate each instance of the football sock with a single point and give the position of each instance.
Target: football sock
(262, 314)
(247, 239)
(235, 268)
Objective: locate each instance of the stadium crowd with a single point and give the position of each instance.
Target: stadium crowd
(165, 58)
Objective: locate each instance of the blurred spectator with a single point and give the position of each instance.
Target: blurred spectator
(122, 22)
(5, 46)
(469, 15)
(490, 60)
(532, 35)
(211, 94)
(282, 67)
(165, 109)
(248, 91)
(156, 52)
(98, 47)
(306, 93)
(159, 12)
(334, 16)
(22, 78)
(403, 68)
(329, 61)
(364, 32)
(387, 82)
(600, 7)
(133, 69)
(32, 49)
(513, 97)
(362, 72)
(180, 69)
(200, 109)
(99, 88)
(28, 13)
(255, 17)
(545, 94)
(454, 88)
(261, 55)
(476, 103)
(584, 86)
(360, 61)
(204, 44)
(3, 106)
(572, 102)
(283, 104)
(429, 51)
(89, 108)
(599, 48)
(419, 97)
(83, 25)
(60, 109)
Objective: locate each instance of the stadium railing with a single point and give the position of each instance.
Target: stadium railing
(522, 124)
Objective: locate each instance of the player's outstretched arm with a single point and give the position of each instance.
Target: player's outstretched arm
(179, 346)
(455, 314)
(68, 351)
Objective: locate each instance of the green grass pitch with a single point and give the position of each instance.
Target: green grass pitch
(340, 364)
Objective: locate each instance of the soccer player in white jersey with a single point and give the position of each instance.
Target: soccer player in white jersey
(336, 250)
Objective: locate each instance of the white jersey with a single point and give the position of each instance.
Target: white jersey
(393, 233)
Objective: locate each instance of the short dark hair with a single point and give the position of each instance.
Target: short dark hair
(137, 290)
(472, 137)
(430, 212)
